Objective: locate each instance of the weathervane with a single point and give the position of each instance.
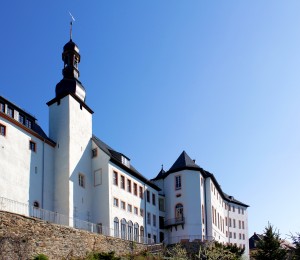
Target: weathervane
(71, 23)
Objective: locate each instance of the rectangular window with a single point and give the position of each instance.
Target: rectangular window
(123, 205)
(2, 107)
(135, 210)
(154, 220)
(161, 204)
(28, 123)
(148, 218)
(32, 146)
(129, 186)
(239, 210)
(94, 153)
(243, 224)
(154, 239)
(229, 222)
(153, 199)
(2, 130)
(233, 208)
(129, 208)
(234, 223)
(141, 212)
(234, 235)
(97, 177)
(141, 192)
(243, 236)
(116, 202)
(21, 119)
(10, 112)
(115, 178)
(240, 224)
(148, 196)
(240, 236)
(230, 234)
(81, 180)
(135, 189)
(122, 182)
(178, 182)
(226, 221)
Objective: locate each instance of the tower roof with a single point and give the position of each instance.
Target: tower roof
(184, 162)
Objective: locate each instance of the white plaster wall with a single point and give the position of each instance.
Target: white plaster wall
(22, 170)
(190, 198)
(100, 193)
(70, 126)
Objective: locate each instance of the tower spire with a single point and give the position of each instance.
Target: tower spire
(71, 25)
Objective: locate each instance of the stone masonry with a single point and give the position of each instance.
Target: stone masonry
(24, 237)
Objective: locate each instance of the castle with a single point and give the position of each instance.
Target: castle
(71, 172)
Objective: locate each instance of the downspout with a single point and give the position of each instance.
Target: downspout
(43, 173)
(205, 207)
(145, 213)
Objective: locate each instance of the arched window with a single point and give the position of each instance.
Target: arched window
(136, 232)
(116, 227)
(130, 230)
(123, 229)
(142, 232)
(179, 211)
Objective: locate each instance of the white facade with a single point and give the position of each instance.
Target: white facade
(75, 174)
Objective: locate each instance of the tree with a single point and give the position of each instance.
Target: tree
(296, 242)
(269, 247)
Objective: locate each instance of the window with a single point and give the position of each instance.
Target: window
(32, 146)
(148, 218)
(10, 112)
(135, 189)
(2, 107)
(136, 232)
(115, 178)
(122, 182)
(233, 208)
(21, 119)
(240, 236)
(94, 152)
(179, 211)
(135, 210)
(178, 182)
(116, 202)
(81, 180)
(226, 221)
(229, 222)
(203, 214)
(116, 227)
(123, 205)
(129, 186)
(2, 130)
(36, 204)
(154, 239)
(230, 234)
(129, 208)
(234, 223)
(240, 224)
(97, 177)
(161, 204)
(243, 224)
(243, 236)
(125, 161)
(234, 235)
(154, 220)
(28, 123)
(153, 199)
(141, 212)
(239, 209)
(123, 229)
(130, 229)
(148, 196)
(142, 232)
(141, 192)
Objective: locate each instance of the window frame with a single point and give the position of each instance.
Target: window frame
(32, 146)
(2, 127)
(178, 182)
(81, 180)
(115, 178)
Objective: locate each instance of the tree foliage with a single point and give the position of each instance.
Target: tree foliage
(269, 247)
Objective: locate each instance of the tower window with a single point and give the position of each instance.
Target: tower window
(81, 180)
(32, 146)
(2, 130)
(178, 182)
(94, 152)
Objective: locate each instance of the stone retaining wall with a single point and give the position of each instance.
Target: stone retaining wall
(24, 237)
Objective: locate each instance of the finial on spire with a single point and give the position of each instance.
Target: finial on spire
(71, 24)
(162, 166)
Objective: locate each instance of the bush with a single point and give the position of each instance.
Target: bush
(103, 256)
(41, 257)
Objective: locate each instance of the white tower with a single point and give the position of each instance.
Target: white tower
(70, 126)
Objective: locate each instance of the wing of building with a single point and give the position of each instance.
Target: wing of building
(73, 173)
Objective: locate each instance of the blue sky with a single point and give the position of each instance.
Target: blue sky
(218, 79)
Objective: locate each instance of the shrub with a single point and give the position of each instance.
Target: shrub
(41, 257)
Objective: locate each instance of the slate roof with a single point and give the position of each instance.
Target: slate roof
(184, 162)
(116, 158)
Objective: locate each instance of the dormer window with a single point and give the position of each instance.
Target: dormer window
(28, 123)
(10, 111)
(2, 107)
(125, 161)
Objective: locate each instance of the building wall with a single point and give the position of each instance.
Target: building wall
(70, 127)
(23, 171)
